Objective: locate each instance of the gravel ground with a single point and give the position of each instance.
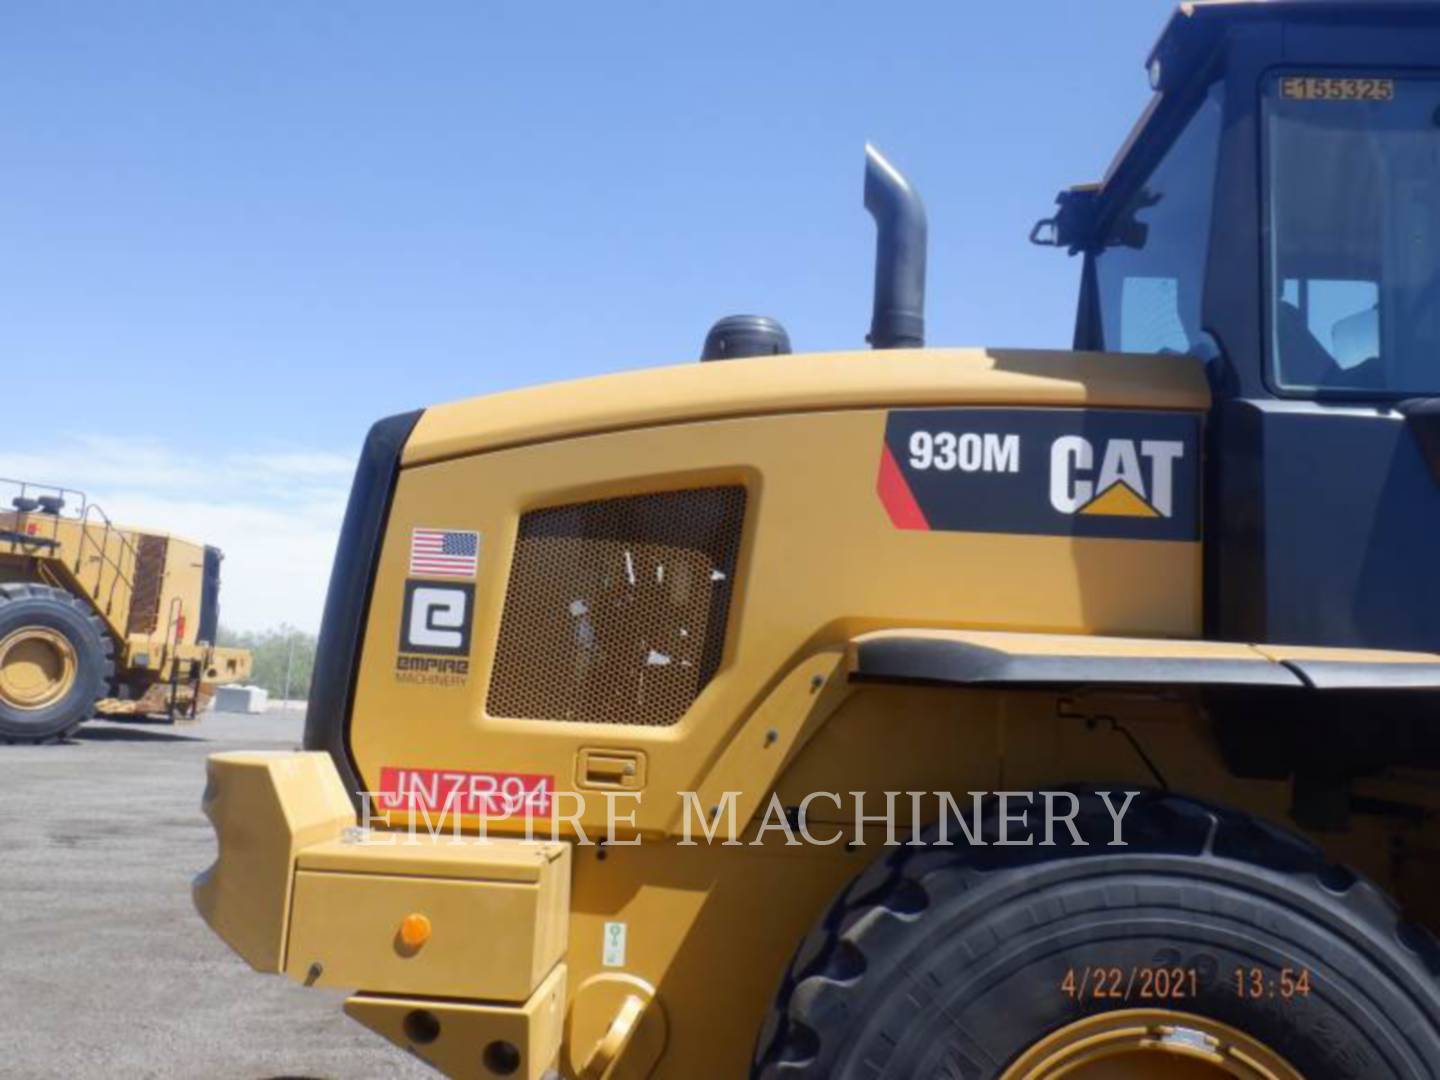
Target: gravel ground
(105, 968)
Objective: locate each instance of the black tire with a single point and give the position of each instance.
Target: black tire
(23, 604)
(948, 962)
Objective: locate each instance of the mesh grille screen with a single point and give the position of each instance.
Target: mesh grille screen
(149, 576)
(615, 612)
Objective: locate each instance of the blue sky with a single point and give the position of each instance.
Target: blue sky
(233, 234)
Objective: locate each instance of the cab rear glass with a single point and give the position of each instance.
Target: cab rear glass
(1352, 214)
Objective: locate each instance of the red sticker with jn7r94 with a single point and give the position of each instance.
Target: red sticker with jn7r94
(482, 794)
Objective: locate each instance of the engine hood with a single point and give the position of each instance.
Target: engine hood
(807, 383)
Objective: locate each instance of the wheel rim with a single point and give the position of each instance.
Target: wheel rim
(37, 667)
(1140, 1044)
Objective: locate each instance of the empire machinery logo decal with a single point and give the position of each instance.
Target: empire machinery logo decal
(435, 633)
(1053, 472)
(434, 648)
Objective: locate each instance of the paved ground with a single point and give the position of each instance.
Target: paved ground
(105, 969)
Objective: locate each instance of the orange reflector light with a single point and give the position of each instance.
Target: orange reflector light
(414, 930)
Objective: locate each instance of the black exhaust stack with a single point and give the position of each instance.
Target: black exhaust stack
(898, 321)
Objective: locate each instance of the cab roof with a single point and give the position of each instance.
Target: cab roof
(1195, 26)
(1195, 30)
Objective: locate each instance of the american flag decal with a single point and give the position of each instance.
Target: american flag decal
(443, 553)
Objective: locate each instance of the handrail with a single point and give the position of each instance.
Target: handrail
(173, 615)
(83, 514)
(24, 488)
(103, 547)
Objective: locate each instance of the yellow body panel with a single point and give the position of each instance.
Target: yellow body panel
(468, 1030)
(820, 563)
(805, 383)
(265, 808)
(704, 923)
(511, 862)
(297, 887)
(705, 930)
(492, 940)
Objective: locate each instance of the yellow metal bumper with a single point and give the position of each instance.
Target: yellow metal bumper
(474, 1039)
(455, 946)
(221, 664)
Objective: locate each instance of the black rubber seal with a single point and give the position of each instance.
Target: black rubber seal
(347, 605)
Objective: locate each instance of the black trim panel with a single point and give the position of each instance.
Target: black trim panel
(347, 605)
(935, 661)
(27, 540)
(943, 662)
(209, 628)
(1365, 675)
(1422, 417)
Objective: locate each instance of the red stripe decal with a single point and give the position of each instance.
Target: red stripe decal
(895, 493)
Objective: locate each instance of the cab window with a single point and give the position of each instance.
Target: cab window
(1353, 215)
(1150, 265)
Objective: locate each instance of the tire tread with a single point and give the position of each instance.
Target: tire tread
(872, 912)
(15, 591)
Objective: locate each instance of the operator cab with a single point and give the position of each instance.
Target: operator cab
(1276, 212)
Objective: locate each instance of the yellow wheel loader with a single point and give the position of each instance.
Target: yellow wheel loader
(925, 712)
(95, 617)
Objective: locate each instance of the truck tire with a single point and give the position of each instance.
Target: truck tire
(56, 661)
(969, 961)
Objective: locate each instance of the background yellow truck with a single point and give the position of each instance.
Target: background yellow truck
(97, 617)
